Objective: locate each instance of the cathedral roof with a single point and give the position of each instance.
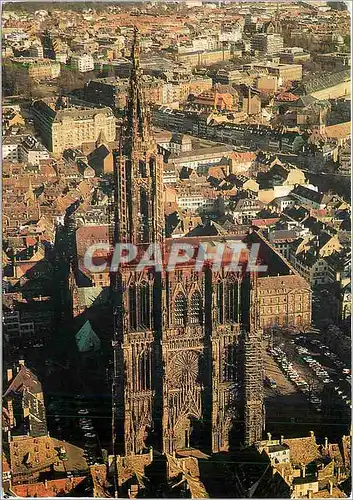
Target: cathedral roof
(86, 339)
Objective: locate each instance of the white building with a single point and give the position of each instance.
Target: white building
(61, 57)
(11, 148)
(31, 151)
(82, 63)
(24, 149)
(195, 202)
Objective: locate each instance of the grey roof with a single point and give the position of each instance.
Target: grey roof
(326, 81)
(282, 234)
(81, 113)
(308, 194)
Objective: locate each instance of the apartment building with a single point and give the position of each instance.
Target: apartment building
(286, 72)
(32, 151)
(204, 57)
(82, 63)
(43, 69)
(36, 51)
(293, 55)
(267, 44)
(11, 148)
(71, 127)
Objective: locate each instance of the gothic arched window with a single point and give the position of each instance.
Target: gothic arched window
(180, 309)
(195, 309)
(229, 363)
(142, 168)
(220, 299)
(144, 370)
(231, 302)
(132, 308)
(144, 210)
(144, 306)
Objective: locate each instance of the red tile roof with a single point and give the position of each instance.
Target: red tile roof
(52, 488)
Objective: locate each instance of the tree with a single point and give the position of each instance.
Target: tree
(15, 80)
(70, 80)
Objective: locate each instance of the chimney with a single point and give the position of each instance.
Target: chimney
(151, 453)
(310, 493)
(326, 443)
(330, 487)
(312, 434)
(45, 483)
(282, 439)
(303, 471)
(9, 374)
(269, 436)
(21, 362)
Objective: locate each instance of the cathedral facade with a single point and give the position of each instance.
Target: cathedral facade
(187, 342)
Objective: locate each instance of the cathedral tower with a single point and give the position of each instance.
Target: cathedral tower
(182, 337)
(139, 168)
(138, 219)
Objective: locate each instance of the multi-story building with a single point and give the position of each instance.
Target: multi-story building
(267, 44)
(43, 69)
(286, 72)
(205, 57)
(108, 91)
(71, 127)
(82, 63)
(61, 57)
(293, 55)
(36, 51)
(11, 148)
(112, 91)
(39, 68)
(334, 61)
(32, 151)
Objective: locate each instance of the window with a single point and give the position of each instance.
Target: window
(132, 307)
(180, 309)
(231, 302)
(145, 309)
(145, 370)
(229, 372)
(195, 309)
(220, 294)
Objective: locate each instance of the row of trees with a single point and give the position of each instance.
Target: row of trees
(15, 80)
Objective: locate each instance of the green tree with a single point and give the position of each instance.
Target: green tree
(70, 79)
(15, 80)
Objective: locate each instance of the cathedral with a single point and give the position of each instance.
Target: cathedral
(187, 343)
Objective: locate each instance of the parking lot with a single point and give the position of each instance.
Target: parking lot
(306, 385)
(76, 424)
(288, 410)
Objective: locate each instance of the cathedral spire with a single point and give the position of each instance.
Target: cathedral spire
(138, 167)
(136, 112)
